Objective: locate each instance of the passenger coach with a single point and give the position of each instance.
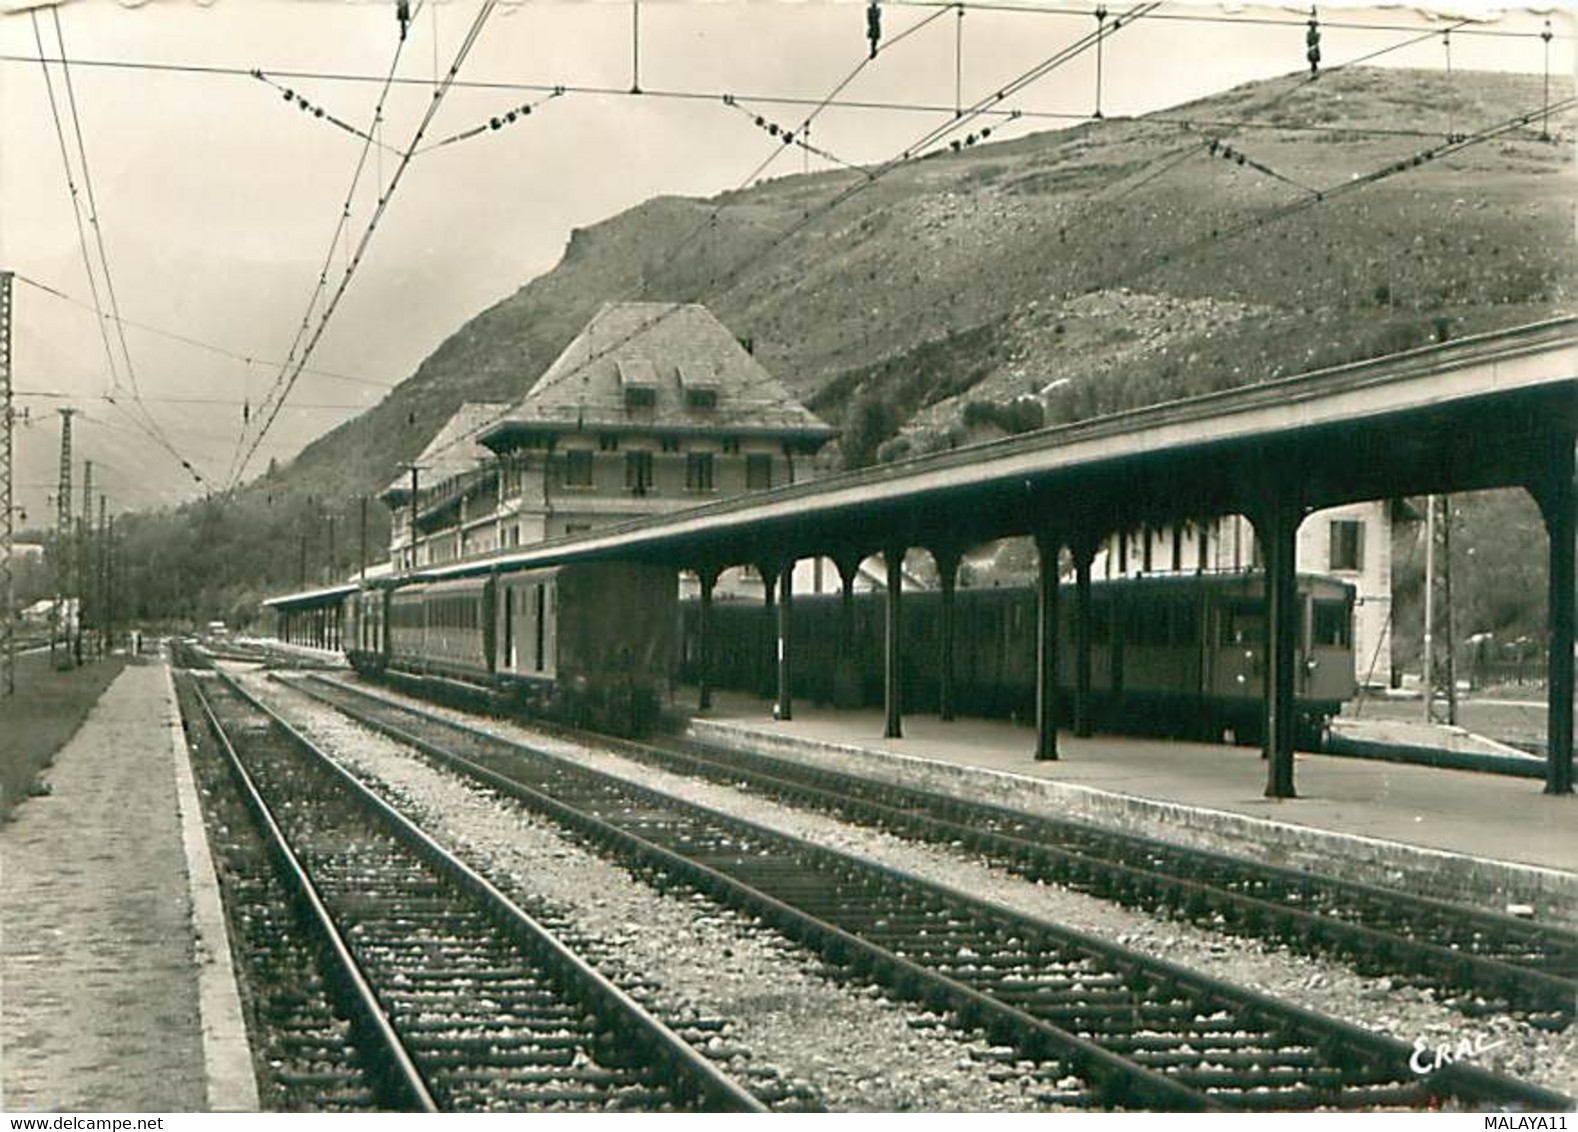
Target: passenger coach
(591, 643)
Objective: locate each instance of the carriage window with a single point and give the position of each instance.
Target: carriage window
(1347, 544)
(1243, 625)
(1333, 626)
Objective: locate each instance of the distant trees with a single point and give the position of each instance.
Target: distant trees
(869, 420)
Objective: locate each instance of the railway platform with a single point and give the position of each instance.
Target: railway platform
(1494, 841)
(119, 994)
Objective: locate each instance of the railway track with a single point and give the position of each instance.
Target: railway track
(1479, 962)
(1109, 1027)
(452, 997)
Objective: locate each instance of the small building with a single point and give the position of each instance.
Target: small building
(457, 488)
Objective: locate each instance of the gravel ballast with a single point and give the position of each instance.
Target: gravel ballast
(1502, 1043)
(849, 1048)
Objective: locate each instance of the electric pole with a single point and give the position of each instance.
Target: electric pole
(330, 517)
(84, 558)
(60, 619)
(415, 509)
(8, 525)
(363, 534)
(101, 599)
(109, 586)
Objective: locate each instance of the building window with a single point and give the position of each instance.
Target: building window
(640, 396)
(758, 472)
(608, 442)
(701, 398)
(638, 472)
(670, 443)
(698, 471)
(578, 468)
(731, 445)
(577, 528)
(1347, 544)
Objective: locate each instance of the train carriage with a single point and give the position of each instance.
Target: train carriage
(1175, 655)
(589, 642)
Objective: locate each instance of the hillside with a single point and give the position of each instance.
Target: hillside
(1111, 264)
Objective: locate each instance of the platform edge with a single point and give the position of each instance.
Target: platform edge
(227, 1051)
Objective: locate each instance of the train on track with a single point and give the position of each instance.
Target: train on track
(601, 644)
(587, 643)
(1180, 655)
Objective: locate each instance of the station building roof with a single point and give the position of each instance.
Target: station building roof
(669, 367)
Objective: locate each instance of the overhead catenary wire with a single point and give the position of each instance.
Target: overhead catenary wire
(278, 387)
(149, 426)
(197, 343)
(314, 110)
(993, 111)
(76, 210)
(840, 196)
(593, 90)
(272, 413)
(1184, 14)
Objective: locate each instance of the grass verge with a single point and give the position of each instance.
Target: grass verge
(46, 711)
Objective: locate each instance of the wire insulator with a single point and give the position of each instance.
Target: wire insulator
(874, 25)
(1312, 43)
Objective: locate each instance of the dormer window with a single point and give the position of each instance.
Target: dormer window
(700, 384)
(638, 383)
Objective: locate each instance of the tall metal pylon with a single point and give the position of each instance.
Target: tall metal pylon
(63, 541)
(8, 522)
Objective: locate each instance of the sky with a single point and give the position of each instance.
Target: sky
(216, 197)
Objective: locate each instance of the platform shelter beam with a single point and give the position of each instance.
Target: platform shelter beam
(784, 708)
(893, 645)
(1048, 546)
(1558, 500)
(1276, 525)
(708, 577)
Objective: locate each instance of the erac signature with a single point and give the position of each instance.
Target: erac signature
(1425, 1060)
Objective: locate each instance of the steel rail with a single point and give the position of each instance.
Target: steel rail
(693, 1072)
(385, 1057)
(1118, 1080)
(935, 817)
(1179, 877)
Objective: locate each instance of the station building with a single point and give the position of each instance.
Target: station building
(653, 407)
